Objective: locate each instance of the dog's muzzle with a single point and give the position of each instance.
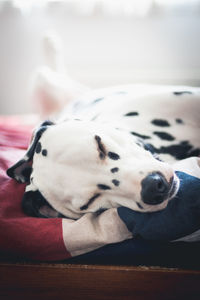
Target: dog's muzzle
(156, 189)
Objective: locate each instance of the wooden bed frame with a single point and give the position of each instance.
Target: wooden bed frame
(74, 281)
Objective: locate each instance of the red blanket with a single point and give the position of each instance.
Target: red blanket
(21, 235)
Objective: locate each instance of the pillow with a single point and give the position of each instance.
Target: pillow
(180, 218)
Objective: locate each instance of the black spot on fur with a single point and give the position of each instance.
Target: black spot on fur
(181, 93)
(44, 152)
(160, 122)
(90, 201)
(194, 152)
(180, 151)
(103, 187)
(139, 205)
(132, 114)
(101, 147)
(113, 155)
(152, 150)
(47, 123)
(26, 173)
(179, 121)
(116, 182)
(164, 135)
(155, 155)
(38, 148)
(114, 170)
(149, 147)
(98, 100)
(145, 137)
(84, 207)
(16, 170)
(20, 171)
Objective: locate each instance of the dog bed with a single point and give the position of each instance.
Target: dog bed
(170, 237)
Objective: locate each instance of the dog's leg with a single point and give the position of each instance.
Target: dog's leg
(52, 88)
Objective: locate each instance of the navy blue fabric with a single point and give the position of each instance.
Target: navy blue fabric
(180, 218)
(141, 252)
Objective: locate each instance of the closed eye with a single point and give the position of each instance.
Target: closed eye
(90, 201)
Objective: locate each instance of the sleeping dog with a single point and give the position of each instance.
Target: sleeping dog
(112, 147)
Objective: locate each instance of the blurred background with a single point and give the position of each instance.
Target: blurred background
(106, 42)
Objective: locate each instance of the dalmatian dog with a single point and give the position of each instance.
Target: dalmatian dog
(111, 147)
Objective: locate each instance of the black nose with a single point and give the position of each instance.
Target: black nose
(155, 189)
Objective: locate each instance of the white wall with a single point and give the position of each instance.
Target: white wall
(99, 50)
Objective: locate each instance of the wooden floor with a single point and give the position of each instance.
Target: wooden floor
(70, 281)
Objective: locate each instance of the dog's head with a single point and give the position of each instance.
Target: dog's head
(82, 166)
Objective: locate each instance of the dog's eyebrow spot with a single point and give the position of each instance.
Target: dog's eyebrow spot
(131, 114)
(179, 121)
(113, 155)
(103, 187)
(101, 147)
(90, 201)
(160, 122)
(182, 92)
(116, 182)
(114, 170)
(164, 135)
(145, 137)
(44, 152)
(38, 148)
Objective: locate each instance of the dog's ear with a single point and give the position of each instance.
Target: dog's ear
(35, 205)
(22, 169)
